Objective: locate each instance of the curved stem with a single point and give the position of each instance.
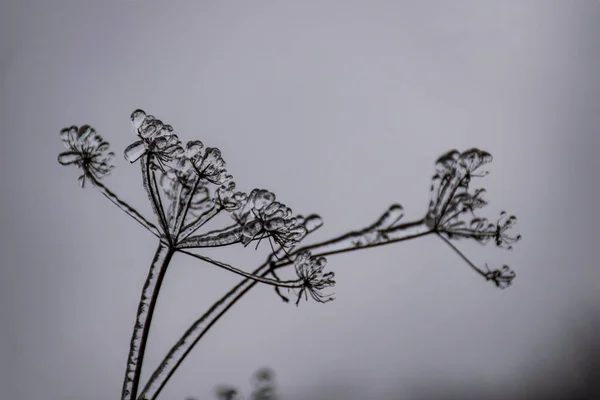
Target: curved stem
(150, 190)
(141, 329)
(191, 337)
(294, 284)
(363, 239)
(449, 243)
(133, 213)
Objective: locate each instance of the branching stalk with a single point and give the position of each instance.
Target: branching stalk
(124, 206)
(293, 284)
(197, 224)
(146, 306)
(150, 190)
(457, 251)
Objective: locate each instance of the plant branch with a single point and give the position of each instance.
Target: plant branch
(293, 284)
(363, 239)
(201, 220)
(144, 163)
(141, 329)
(221, 237)
(449, 243)
(125, 207)
(191, 337)
(180, 219)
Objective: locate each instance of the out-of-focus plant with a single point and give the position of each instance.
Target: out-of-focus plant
(188, 185)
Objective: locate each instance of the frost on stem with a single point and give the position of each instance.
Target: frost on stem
(310, 270)
(86, 150)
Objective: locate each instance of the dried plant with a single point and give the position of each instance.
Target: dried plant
(188, 185)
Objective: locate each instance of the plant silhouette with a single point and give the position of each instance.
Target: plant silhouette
(188, 185)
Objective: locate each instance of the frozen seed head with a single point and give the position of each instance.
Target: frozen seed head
(207, 163)
(310, 270)
(501, 236)
(502, 277)
(261, 216)
(156, 138)
(86, 150)
(453, 204)
(228, 198)
(450, 185)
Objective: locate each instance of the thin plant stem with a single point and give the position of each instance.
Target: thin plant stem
(449, 243)
(133, 213)
(293, 284)
(180, 219)
(141, 329)
(160, 206)
(191, 337)
(197, 224)
(147, 182)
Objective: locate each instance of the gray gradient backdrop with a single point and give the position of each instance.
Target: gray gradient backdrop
(340, 108)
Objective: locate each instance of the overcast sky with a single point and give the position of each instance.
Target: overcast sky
(341, 108)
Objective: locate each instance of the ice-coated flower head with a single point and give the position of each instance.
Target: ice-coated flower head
(450, 195)
(207, 163)
(156, 138)
(453, 204)
(310, 270)
(501, 277)
(260, 215)
(87, 150)
(501, 235)
(228, 198)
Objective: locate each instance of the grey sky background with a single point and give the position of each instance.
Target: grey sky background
(340, 108)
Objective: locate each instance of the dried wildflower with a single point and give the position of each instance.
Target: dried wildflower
(310, 270)
(501, 277)
(156, 138)
(87, 150)
(260, 215)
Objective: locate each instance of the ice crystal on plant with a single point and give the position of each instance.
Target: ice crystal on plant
(228, 198)
(501, 277)
(87, 150)
(453, 204)
(260, 215)
(156, 138)
(310, 270)
(502, 226)
(208, 164)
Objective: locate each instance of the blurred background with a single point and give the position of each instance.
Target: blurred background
(341, 108)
